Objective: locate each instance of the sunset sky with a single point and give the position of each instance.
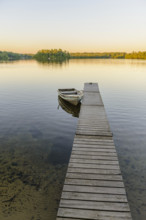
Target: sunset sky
(27, 26)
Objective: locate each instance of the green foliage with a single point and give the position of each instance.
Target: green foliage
(52, 55)
(58, 55)
(115, 55)
(136, 55)
(112, 55)
(6, 56)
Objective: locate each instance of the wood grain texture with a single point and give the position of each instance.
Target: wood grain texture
(85, 196)
(93, 189)
(90, 161)
(94, 171)
(95, 157)
(91, 87)
(94, 205)
(86, 182)
(93, 214)
(94, 176)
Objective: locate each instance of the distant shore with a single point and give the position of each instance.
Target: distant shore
(60, 55)
(111, 55)
(9, 56)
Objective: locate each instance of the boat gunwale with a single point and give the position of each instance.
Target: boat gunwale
(71, 97)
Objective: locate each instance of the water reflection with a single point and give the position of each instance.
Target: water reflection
(55, 63)
(69, 108)
(36, 138)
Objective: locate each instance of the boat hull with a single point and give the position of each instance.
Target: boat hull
(72, 96)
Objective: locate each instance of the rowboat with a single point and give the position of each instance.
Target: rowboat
(71, 95)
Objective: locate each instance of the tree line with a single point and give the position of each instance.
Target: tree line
(112, 55)
(58, 55)
(8, 56)
(136, 55)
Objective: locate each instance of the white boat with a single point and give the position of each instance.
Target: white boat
(72, 95)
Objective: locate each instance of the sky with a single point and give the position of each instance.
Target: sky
(27, 26)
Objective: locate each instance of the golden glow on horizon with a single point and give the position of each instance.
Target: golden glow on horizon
(74, 26)
(107, 72)
(28, 48)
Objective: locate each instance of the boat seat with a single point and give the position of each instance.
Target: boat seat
(69, 93)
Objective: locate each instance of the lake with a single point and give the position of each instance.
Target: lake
(36, 133)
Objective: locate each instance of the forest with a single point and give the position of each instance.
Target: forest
(136, 55)
(112, 55)
(105, 55)
(52, 55)
(8, 56)
(58, 55)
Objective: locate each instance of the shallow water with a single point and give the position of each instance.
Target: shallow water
(36, 134)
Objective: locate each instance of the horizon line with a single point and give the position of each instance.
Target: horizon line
(134, 51)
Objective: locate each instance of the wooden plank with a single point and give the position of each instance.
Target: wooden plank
(92, 98)
(94, 157)
(81, 142)
(93, 214)
(90, 143)
(94, 205)
(93, 143)
(94, 149)
(94, 146)
(93, 120)
(93, 189)
(93, 138)
(90, 182)
(93, 171)
(93, 166)
(93, 116)
(92, 112)
(99, 124)
(91, 132)
(93, 153)
(98, 133)
(87, 118)
(91, 87)
(94, 176)
(89, 161)
(94, 197)
(85, 122)
(100, 128)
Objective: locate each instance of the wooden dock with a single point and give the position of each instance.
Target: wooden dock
(93, 187)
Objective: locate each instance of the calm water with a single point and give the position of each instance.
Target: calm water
(36, 134)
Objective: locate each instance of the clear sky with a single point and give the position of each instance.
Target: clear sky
(74, 25)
